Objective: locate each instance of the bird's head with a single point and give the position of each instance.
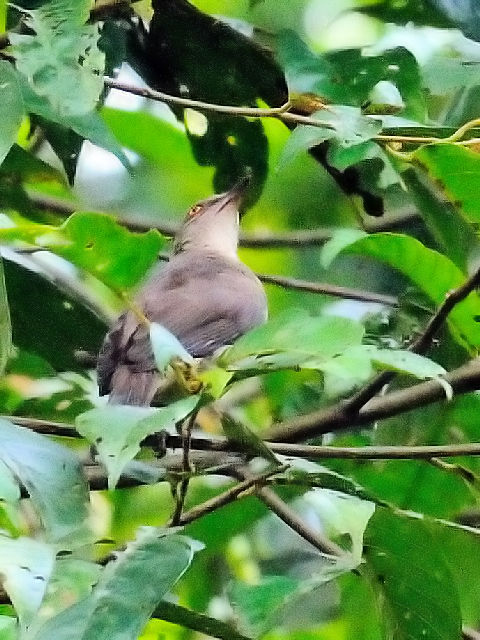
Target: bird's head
(213, 224)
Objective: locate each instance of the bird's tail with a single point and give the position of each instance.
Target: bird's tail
(133, 387)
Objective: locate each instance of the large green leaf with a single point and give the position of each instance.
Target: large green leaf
(61, 60)
(89, 126)
(295, 337)
(25, 566)
(117, 430)
(456, 170)
(95, 242)
(327, 343)
(53, 478)
(5, 325)
(128, 590)
(12, 108)
(414, 586)
(432, 272)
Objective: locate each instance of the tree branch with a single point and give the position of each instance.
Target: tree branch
(228, 496)
(329, 289)
(285, 115)
(195, 621)
(285, 513)
(462, 380)
(420, 345)
(298, 239)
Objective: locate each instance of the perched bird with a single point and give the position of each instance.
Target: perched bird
(203, 295)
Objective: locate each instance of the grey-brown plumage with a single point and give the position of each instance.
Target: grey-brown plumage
(204, 295)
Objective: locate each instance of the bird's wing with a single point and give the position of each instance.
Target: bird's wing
(206, 307)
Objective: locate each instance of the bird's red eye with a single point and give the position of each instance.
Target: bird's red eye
(194, 210)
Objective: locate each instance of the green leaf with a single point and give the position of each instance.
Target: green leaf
(12, 108)
(54, 331)
(247, 441)
(128, 590)
(291, 339)
(96, 243)
(117, 430)
(451, 230)
(261, 605)
(433, 273)
(348, 76)
(345, 125)
(61, 61)
(89, 126)
(8, 628)
(25, 566)
(413, 585)
(166, 347)
(5, 324)
(405, 362)
(456, 170)
(241, 74)
(53, 478)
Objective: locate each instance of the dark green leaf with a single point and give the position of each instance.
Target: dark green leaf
(48, 322)
(5, 325)
(433, 273)
(414, 586)
(12, 108)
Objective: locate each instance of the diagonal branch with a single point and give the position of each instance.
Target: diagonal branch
(420, 345)
(461, 380)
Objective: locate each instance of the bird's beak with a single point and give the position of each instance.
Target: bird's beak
(237, 192)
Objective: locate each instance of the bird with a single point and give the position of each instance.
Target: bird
(204, 295)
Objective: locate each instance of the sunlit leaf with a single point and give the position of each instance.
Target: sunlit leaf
(61, 60)
(25, 566)
(117, 430)
(95, 242)
(344, 125)
(290, 339)
(456, 171)
(53, 478)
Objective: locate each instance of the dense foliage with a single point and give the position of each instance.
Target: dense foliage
(331, 486)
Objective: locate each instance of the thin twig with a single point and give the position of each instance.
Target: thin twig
(285, 513)
(299, 239)
(160, 96)
(182, 487)
(462, 380)
(329, 289)
(284, 114)
(228, 496)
